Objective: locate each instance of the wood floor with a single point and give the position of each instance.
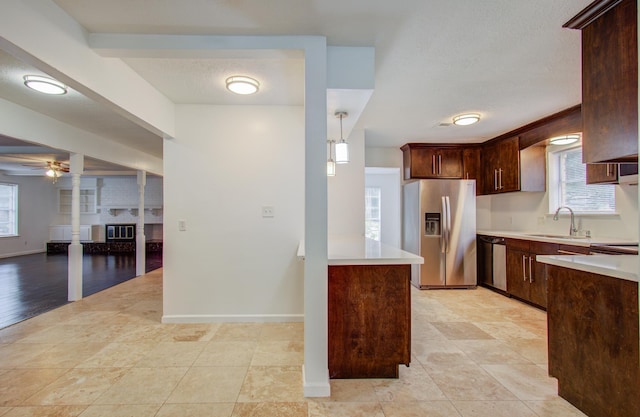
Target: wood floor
(33, 284)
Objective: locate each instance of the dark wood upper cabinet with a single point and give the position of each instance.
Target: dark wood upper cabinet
(602, 173)
(609, 80)
(472, 166)
(428, 161)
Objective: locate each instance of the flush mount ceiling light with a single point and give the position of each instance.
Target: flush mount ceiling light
(342, 147)
(44, 84)
(242, 85)
(466, 119)
(565, 139)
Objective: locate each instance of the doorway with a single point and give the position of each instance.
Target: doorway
(383, 210)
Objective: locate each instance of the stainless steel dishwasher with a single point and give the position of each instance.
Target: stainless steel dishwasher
(494, 258)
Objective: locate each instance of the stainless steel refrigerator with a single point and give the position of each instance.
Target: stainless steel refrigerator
(440, 225)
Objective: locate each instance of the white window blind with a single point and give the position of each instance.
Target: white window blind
(8, 209)
(568, 187)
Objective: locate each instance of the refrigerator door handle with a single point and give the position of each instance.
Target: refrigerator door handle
(448, 223)
(443, 228)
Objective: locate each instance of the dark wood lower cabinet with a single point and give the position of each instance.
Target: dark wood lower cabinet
(526, 278)
(593, 341)
(369, 320)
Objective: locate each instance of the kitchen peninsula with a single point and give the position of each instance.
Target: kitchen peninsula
(593, 332)
(369, 307)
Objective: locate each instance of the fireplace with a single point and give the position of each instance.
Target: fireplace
(120, 232)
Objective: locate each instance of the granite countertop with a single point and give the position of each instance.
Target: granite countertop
(359, 250)
(556, 238)
(617, 266)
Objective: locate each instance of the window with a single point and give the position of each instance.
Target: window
(372, 212)
(568, 185)
(8, 210)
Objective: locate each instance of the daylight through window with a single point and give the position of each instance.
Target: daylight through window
(8, 210)
(372, 212)
(568, 185)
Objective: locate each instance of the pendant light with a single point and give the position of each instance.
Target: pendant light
(331, 164)
(342, 147)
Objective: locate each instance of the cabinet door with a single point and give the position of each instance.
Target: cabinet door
(471, 167)
(448, 162)
(602, 173)
(509, 164)
(489, 163)
(518, 273)
(422, 163)
(538, 273)
(610, 86)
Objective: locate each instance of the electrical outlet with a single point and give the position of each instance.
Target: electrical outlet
(267, 211)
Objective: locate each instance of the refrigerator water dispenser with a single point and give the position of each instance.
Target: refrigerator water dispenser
(432, 224)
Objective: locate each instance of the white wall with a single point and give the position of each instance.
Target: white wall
(530, 212)
(231, 264)
(345, 192)
(383, 157)
(36, 205)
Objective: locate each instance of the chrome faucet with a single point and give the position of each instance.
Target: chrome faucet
(572, 229)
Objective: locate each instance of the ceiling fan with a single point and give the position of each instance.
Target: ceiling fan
(55, 169)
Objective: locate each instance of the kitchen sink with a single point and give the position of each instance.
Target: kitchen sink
(555, 236)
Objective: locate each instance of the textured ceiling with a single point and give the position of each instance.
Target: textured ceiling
(509, 60)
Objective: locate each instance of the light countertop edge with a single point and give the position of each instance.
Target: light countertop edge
(524, 235)
(617, 266)
(359, 250)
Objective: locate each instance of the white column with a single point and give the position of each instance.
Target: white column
(140, 237)
(76, 167)
(316, 362)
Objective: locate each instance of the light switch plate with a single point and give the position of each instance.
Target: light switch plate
(267, 211)
(182, 225)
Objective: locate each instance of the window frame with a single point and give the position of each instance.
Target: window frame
(554, 189)
(13, 212)
(368, 210)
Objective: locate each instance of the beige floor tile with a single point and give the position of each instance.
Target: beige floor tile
(272, 383)
(283, 409)
(78, 386)
(64, 355)
(420, 409)
(351, 390)
(504, 330)
(278, 353)
(283, 331)
(17, 385)
(238, 332)
(67, 333)
(533, 349)
(4, 410)
(139, 333)
(489, 352)
(468, 382)
(197, 332)
(226, 354)
(46, 411)
(440, 352)
(209, 385)
(414, 384)
(350, 409)
(527, 382)
(130, 410)
(117, 355)
(19, 355)
(423, 330)
(18, 331)
(91, 317)
(493, 409)
(555, 407)
(196, 410)
(143, 386)
(180, 354)
(461, 331)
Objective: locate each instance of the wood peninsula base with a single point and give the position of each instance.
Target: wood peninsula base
(369, 320)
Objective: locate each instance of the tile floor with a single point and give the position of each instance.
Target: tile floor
(475, 354)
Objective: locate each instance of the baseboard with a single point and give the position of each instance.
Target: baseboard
(232, 318)
(316, 389)
(27, 252)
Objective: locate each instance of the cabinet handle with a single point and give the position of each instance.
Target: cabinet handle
(530, 271)
(433, 164)
(495, 179)
(467, 175)
(500, 175)
(439, 164)
(524, 267)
